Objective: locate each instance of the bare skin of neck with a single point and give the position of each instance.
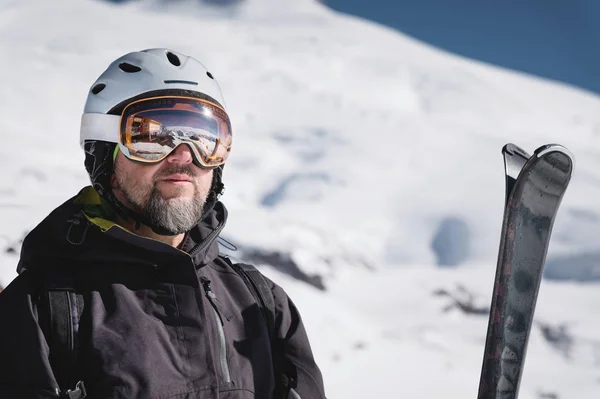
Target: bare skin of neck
(147, 232)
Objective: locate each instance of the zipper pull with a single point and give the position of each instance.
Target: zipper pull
(212, 298)
(206, 284)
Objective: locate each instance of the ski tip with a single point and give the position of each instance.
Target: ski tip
(549, 148)
(513, 149)
(508, 148)
(545, 149)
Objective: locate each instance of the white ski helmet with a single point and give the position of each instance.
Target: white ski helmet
(134, 76)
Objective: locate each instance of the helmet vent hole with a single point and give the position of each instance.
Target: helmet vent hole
(173, 59)
(210, 75)
(129, 68)
(98, 88)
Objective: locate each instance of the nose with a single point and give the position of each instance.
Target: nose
(182, 154)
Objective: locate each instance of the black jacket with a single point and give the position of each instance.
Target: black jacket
(148, 329)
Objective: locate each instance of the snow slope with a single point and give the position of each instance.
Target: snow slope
(353, 144)
(387, 335)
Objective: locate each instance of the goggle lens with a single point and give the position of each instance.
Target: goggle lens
(152, 128)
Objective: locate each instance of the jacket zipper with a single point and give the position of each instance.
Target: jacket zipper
(207, 241)
(219, 318)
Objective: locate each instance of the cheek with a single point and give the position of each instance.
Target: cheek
(205, 180)
(142, 173)
(134, 174)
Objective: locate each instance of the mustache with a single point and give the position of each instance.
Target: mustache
(174, 170)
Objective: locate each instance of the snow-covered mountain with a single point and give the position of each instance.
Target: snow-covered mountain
(355, 148)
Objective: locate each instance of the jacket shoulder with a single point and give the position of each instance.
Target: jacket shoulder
(17, 290)
(23, 347)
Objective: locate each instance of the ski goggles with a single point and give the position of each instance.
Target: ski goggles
(150, 129)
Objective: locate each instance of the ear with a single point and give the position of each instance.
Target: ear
(113, 181)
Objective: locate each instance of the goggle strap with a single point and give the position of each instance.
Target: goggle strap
(100, 127)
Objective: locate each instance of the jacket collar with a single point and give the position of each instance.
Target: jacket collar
(83, 229)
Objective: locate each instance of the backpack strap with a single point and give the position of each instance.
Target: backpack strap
(285, 371)
(59, 311)
(261, 291)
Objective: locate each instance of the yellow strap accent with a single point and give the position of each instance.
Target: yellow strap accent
(89, 196)
(102, 223)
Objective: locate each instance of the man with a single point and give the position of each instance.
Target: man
(122, 291)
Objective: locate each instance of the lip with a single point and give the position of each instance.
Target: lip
(177, 178)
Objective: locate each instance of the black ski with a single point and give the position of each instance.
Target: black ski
(514, 160)
(534, 189)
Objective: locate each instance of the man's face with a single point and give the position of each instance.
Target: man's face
(171, 193)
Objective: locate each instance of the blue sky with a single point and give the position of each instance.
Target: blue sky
(556, 39)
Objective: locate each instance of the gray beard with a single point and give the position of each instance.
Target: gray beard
(174, 216)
